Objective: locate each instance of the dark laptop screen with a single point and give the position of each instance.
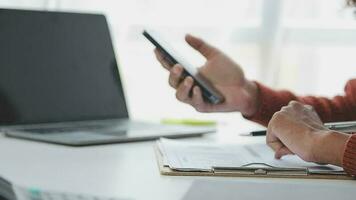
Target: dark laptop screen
(57, 67)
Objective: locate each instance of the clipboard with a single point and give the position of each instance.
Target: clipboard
(247, 172)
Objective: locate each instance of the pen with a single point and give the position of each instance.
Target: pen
(350, 125)
(258, 133)
(347, 127)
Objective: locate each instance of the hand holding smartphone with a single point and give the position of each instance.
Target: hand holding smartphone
(210, 94)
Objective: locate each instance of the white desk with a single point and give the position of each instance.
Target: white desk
(122, 170)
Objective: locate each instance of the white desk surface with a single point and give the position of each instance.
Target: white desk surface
(121, 170)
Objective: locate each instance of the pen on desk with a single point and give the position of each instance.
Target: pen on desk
(351, 125)
(258, 133)
(347, 127)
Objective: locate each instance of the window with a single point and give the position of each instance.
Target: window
(306, 45)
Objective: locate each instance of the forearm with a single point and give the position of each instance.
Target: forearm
(337, 149)
(329, 147)
(339, 108)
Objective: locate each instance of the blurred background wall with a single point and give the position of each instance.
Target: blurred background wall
(307, 46)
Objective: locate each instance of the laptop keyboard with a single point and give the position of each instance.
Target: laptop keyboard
(110, 128)
(104, 133)
(63, 129)
(35, 194)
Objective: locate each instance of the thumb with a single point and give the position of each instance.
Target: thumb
(282, 152)
(198, 44)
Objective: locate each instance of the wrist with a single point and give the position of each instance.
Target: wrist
(252, 100)
(330, 147)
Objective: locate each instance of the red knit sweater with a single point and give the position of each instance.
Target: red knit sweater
(339, 108)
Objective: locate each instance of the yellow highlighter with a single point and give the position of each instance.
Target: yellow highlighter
(190, 122)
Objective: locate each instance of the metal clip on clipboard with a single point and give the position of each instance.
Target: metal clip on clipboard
(261, 169)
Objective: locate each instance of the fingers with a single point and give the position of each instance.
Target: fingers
(204, 48)
(309, 107)
(175, 76)
(299, 107)
(282, 152)
(184, 89)
(296, 104)
(197, 100)
(289, 133)
(276, 144)
(272, 139)
(162, 60)
(303, 112)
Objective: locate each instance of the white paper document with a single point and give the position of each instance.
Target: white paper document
(184, 156)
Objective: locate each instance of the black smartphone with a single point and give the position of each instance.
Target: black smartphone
(210, 94)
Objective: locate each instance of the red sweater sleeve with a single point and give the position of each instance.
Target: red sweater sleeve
(349, 159)
(339, 108)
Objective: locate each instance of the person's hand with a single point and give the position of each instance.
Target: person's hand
(223, 73)
(297, 129)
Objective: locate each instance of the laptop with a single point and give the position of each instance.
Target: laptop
(60, 83)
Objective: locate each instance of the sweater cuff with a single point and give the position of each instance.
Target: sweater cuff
(271, 101)
(349, 158)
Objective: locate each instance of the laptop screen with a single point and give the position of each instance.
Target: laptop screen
(57, 67)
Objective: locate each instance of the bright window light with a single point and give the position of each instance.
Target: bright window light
(306, 45)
